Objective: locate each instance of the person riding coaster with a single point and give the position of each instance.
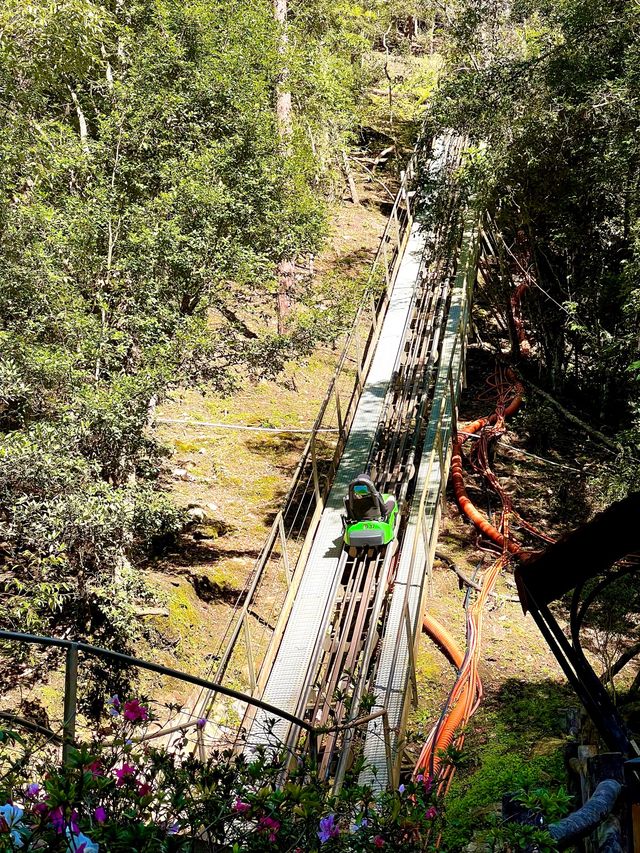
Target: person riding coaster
(370, 516)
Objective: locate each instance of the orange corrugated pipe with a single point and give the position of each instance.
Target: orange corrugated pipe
(443, 638)
(457, 477)
(467, 691)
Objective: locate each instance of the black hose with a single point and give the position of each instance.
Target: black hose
(586, 819)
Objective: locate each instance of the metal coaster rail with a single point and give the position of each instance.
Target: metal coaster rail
(344, 662)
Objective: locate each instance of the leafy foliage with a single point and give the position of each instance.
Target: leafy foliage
(146, 200)
(503, 754)
(116, 795)
(550, 88)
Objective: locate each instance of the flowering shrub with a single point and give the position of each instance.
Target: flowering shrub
(116, 795)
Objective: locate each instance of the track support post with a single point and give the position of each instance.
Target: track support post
(285, 552)
(412, 658)
(250, 661)
(387, 749)
(314, 468)
(70, 701)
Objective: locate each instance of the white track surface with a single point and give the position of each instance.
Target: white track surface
(312, 607)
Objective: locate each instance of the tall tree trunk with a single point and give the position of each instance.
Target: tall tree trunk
(283, 98)
(286, 268)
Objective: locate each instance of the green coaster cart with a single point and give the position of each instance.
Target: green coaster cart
(370, 516)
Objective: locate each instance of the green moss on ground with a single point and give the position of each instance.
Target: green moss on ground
(516, 742)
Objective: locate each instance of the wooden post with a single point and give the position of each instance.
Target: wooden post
(314, 468)
(386, 262)
(387, 748)
(454, 416)
(394, 215)
(412, 659)
(341, 432)
(443, 485)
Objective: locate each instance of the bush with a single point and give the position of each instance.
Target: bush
(67, 534)
(115, 795)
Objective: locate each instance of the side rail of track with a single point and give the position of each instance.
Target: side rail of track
(395, 678)
(250, 641)
(323, 671)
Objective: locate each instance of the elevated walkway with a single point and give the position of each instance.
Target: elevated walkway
(288, 686)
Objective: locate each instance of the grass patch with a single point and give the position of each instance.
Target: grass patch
(516, 743)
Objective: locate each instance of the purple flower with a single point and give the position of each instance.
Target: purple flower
(174, 828)
(270, 826)
(431, 813)
(33, 790)
(328, 828)
(100, 814)
(201, 723)
(401, 789)
(123, 773)
(58, 819)
(60, 822)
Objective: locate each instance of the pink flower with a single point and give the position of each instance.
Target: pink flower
(239, 807)
(40, 809)
(95, 768)
(134, 711)
(378, 841)
(270, 826)
(123, 773)
(431, 812)
(144, 789)
(100, 814)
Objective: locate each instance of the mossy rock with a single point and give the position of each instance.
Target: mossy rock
(213, 590)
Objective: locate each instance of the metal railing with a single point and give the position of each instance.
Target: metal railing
(73, 649)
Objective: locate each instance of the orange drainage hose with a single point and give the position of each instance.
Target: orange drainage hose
(467, 691)
(443, 638)
(457, 477)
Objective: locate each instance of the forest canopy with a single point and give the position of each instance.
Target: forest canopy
(146, 200)
(551, 89)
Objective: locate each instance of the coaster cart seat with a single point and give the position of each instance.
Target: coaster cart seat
(370, 516)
